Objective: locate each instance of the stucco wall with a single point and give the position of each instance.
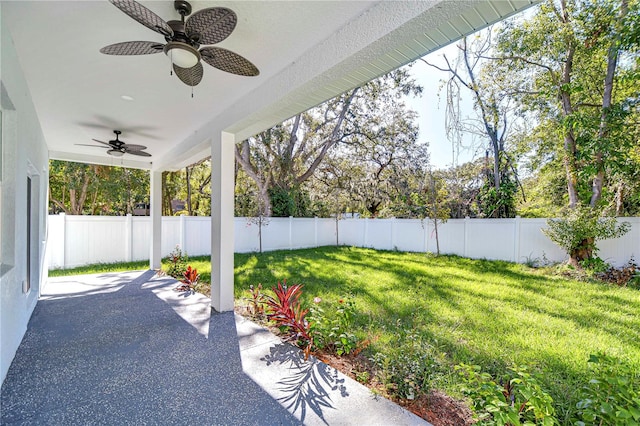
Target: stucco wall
(24, 154)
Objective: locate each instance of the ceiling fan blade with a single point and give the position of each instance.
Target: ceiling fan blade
(103, 143)
(133, 48)
(143, 15)
(228, 61)
(189, 76)
(84, 144)
(213, 24)
(138, 153)
(133, 147)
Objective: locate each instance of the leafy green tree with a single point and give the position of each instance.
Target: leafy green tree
(579, 231)
(78, 188)
(579, 59)
(284, 158)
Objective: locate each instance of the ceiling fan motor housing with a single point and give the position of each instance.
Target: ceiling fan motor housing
(183, 7)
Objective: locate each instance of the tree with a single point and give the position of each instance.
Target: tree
(71, 185)
(282, 159)
(429, 201)
(78, 188)
(380, 162)
(571, 51)
(473, 71)
(578, 233)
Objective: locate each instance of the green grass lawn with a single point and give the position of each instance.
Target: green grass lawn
(494, 314)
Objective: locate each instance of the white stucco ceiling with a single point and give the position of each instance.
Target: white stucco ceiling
(307, 52)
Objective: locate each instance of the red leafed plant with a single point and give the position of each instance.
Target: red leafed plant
(191, 277)
(286, 312)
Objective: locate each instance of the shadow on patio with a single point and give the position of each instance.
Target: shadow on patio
(106, 349)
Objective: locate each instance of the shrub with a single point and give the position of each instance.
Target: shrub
(516, 401)
(256, 301)
(332, 327)
(612, 396)
(579, 231)
(178, 263)
(408, 369)
(285, 310)
(189, 280)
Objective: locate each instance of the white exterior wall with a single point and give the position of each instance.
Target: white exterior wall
(24, 153)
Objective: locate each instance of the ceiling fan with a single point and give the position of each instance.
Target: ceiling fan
(184, 38)
(117, 148)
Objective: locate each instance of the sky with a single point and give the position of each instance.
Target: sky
(431, 106)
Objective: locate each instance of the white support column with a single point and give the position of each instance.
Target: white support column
(155, 255)
(222, 242)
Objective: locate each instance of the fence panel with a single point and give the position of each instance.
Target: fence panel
(141, 238)
(80, 240)
(93, 241)
(487, 239)
(246, 235)
(170, 235)
(56, 241)
(275, 235)
(379, 234)
(351, 232)
(619, 251)
(536, 246)
(303, 233)
(197, 235)
(451, 236)
(409, 235)
(326, 231)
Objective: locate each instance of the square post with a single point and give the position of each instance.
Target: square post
(155, 255)
(222, 223)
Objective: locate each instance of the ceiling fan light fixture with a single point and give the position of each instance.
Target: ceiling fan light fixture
(182, 54)
(115, 152)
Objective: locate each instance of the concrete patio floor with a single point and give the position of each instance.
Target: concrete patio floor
(125, 348)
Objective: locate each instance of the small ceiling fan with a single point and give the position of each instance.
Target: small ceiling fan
(184, 38)
(117, 148)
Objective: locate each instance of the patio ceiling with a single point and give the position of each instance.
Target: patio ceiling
(307, 52)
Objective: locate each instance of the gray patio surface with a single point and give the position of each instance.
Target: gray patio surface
(126, 348)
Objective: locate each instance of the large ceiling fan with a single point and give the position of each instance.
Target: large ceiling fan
(184, 38)
(117, 148)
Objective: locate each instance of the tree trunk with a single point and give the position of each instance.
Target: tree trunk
(583, 252)
(619, 198)
(567, 109)
(603, 130)
(188, 176)
(242, 154)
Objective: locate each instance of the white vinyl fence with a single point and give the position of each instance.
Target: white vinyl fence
(80, 240)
